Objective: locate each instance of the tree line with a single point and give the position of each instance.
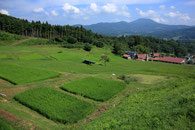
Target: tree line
(73, 35)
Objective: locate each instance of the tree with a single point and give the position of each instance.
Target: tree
(72, 40)
(118, 49)
(105, 59)
(87, 47)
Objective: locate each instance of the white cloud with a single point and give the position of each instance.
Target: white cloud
(70, 9)
(94, 7)
(2, 11)
(172, 7)
(152, 15)
(147, 13)
(47, 13)
(38, 10)
(179, 15)
(54, 13)
(159, 20)
(110, 8)
(162, 7)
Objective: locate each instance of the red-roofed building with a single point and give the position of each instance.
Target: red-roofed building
(156, 55)
(169, 60)
(141, 56)
(126, 56)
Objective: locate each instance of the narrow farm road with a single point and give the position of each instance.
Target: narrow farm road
(19, 41)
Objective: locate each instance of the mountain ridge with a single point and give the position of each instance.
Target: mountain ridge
(140, 26)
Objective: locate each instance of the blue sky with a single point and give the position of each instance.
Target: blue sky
(85, 12)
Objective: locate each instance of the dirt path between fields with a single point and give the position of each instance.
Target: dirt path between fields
(4, 82)
(14, 119)
(19, 41)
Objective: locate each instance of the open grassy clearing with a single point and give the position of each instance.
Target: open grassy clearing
(54, 104)
(8, 38)
(20, 74)
(95, 88)
(147, 73)
(33, 56)
(34, 41)
(148, 79)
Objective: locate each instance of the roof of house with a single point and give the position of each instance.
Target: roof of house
(169, 59)
(126, 56)
(84, 60)
(156, 54)
(141, 56)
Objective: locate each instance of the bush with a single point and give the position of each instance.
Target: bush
(87, 47)
(72, 40)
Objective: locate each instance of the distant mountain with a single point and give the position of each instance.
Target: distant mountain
(137, 27)
(183, 35)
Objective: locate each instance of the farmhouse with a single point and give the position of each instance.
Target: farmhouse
(169, 60)
(142, 56)
(127, 56)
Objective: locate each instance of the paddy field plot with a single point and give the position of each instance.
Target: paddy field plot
(34, 56)
(55, 105)
(21, 74)
(95, 88)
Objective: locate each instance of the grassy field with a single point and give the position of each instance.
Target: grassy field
(95, 88)
(34, 41)
(54, 104)
(5, 126)
(7, 38)
(169, 105)
(34, 56)
(161, 97)
(21, 74)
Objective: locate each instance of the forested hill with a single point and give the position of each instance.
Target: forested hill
(78, 35)
(138, 27)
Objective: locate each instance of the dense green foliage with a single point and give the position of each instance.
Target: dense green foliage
(54, 105)
(169, 105)
(95, 88)
(21, 74)
(72, 35)
(4, 36)
(5, 126)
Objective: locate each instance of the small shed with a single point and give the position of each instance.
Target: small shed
(88, 62)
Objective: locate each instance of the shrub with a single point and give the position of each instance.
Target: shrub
(87, 47)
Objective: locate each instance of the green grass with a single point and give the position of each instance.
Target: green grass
(152, 99)
(33, 56)
(34, 41)
(168, 105)
(8, 38)
(5, 126)
(3, 56)
(95, 88)
(148, 79)
(21, 74)
(55, 105)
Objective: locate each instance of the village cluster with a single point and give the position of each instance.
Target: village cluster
(155, 57)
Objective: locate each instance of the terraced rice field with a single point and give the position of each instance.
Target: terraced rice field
(95, 88)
